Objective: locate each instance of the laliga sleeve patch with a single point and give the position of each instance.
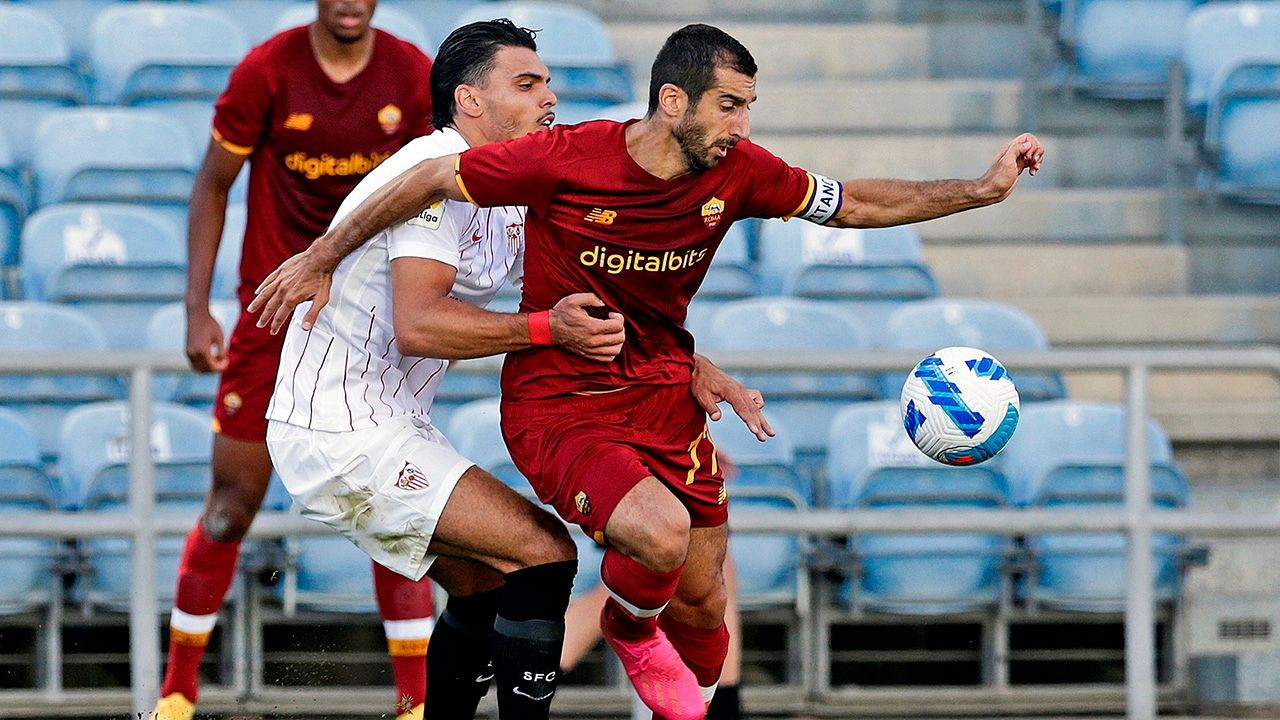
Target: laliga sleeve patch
(824, 200)
(429, 218)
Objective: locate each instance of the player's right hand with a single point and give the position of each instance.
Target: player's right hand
(581, 324)
(296, 281)
(206, 345)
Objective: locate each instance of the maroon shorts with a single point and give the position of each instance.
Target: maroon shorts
(583, 453)
(253, 356)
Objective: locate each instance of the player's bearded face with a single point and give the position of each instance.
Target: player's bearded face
(700, 152)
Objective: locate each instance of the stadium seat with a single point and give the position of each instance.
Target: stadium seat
(1070, 455)
(95, 464)
(803, 402)
(1122, 48)
(44, 399)
(770, 565)
(475, 431)
(174, 52)
(929, 325)
(387, 17)
(115, 262)
(332, 575)
(869, 273)
(226, 270)
(573, 43)
(36, 74)
(13, 208)
(730, 276)
(1241, 145)
(1219, 36)
(104, 154)
(872, 464)
(167, 331)
(24, 487)
(749, 463)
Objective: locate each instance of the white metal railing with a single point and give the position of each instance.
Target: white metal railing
(1137, 518)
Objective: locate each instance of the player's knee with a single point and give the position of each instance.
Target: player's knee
(663, 542)
(222, 524)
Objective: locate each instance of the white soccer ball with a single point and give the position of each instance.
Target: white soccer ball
(959, 406)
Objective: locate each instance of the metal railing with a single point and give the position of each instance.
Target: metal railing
(1137, 519)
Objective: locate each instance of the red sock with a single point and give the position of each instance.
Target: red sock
(701, 649)
(638, 590)
(406, 608)
(204, 575)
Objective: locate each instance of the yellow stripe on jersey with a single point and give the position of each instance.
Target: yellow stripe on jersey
(230, 146)
(808, 196)
(457, 175)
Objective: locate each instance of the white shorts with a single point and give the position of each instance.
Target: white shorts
(384, 487)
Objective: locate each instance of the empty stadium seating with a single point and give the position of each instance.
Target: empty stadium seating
(1122, 48)
(1071, 455)
(116, 263)
(398, 22)
(94, 465)
(872, 464)
(749, 463)
(44, 399)
(13, 207)
(1219, 36)
(36, 74)
(106, 154)
(474, 429)
(167, 331)
(330, 574)
(24, 486)
(928, 325)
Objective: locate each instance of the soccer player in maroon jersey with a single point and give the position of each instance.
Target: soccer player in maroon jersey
(313, 109)
(633, 212)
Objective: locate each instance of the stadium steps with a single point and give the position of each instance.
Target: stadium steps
(716, 11)
(902, 105)
(1045, 214)
(1157, 320)
(1032, 271)
(1108, 159)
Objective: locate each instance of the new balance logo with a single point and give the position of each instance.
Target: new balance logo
(602, 217)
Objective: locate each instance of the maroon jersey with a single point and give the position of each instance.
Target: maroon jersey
(598, 222)
(310, 139)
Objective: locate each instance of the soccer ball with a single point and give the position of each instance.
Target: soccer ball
(959, 406)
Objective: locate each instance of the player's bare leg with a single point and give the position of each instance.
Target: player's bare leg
(648, 542)
(241, 470)
(694, 621)
(489, 523)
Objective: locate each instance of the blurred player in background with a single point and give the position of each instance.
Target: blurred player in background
(312, 110)
(634, 212)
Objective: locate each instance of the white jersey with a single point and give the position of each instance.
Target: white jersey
(346, 372)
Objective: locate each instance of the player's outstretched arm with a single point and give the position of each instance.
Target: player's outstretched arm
(206, 340)
(429, 323)
(881, 203)
(306, 275)
(712, 386)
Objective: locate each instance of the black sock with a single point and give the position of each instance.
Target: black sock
(528, 636)
(726, 705)
(459, 666)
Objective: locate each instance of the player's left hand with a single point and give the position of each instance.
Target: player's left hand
(1024, 152)
(712, 386)
(296, 281)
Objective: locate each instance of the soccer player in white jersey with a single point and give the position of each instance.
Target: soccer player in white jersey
(349, 421)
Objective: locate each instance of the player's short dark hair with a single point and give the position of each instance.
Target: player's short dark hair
(466, 56)
(689, 60)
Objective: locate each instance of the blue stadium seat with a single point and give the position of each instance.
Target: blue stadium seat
(573, 43)
(332, 574)
(36, 73)
(749, 463)
(1070, 455)
(74, 18)
(24, 487)
(770, 565)
(106, 154)
(167, 331)
(803, 402)
(226, 270)
(867, 272)
(1122, 48)
(730, 276)
(115, 262)
(929, 325)
(14, 198)
(394, 20)
(871, 463)
(476, 432)
(94, 464)
(173, 52)
(1219, 36)
(1240, 139)
(44, 399)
